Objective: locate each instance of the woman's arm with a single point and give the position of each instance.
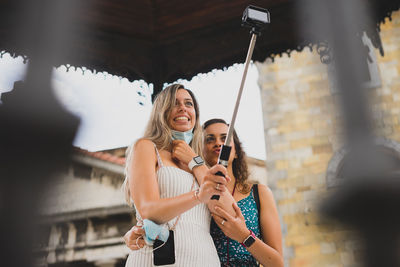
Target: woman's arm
(267, 251)
(143, 186)
(183, 153)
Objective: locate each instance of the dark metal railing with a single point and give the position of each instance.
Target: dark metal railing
(36, 133)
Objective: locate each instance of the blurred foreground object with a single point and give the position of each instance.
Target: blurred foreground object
(369, 197)
(36, 132)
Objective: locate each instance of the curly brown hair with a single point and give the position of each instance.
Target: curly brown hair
(239, 164)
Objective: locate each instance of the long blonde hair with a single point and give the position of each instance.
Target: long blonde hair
(158, 131)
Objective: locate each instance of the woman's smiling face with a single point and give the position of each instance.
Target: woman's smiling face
(182, 116)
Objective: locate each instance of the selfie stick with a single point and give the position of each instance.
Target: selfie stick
(255, 18)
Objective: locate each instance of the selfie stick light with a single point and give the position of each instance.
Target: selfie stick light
(255, 18)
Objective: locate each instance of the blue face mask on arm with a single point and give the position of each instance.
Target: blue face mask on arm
(154, 231)
(185, 136)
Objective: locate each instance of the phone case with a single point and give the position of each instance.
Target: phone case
(164, 254)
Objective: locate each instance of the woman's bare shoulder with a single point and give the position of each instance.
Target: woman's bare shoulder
(143, 143)
(265, 193)
(144, 147)
(264, 189)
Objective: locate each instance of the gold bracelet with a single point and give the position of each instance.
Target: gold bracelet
(196, 194)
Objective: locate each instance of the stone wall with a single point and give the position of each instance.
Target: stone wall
(387, 108)
(302, 134)
(84, 217)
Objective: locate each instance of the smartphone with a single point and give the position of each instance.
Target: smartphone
(164, 254)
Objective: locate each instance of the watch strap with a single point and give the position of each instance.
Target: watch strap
(193, 162)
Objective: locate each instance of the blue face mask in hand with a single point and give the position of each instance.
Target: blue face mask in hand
(185, 136)
(154, 231)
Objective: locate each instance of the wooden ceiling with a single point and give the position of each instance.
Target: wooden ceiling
(161, 41)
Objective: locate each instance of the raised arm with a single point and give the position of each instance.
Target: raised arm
(183, 153)
(143, 186)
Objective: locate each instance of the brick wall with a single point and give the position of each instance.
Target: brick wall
(302, 130)
(387, 109)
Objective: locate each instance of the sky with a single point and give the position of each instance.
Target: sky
(115, 111)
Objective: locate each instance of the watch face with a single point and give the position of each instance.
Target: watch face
(249, 241)
(198, 160)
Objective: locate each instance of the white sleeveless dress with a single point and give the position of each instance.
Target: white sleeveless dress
(193, 243)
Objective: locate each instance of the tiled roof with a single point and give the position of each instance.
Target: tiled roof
(102, 155)
(109, 157)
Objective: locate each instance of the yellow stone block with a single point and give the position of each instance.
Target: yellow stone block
(319, 149)
(295, 144)
(295, 199)
(301, 126)
(314, 159)
(320, 140)
(282, 164)
(308, 250)
(295, 164)
(318, 168)
(291, 182)
(299, 227)
(283, 129)
(300, 262)
(299, 240)
(297, 173)
(387, 98)
(279, 147)
(303, 188)
(322, 124)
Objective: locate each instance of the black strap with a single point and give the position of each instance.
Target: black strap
(257, 200)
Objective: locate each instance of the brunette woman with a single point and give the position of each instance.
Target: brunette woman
(253, 234)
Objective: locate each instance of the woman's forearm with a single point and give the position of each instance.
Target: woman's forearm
(165, 209)
(151, 206)
(265, 254)
(199, 173)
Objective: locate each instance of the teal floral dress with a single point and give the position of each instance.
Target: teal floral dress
(238, 255)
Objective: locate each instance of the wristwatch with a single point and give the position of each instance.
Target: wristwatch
(195, 162)
(249, 240)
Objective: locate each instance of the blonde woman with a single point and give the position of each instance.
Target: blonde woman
(162, 181)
